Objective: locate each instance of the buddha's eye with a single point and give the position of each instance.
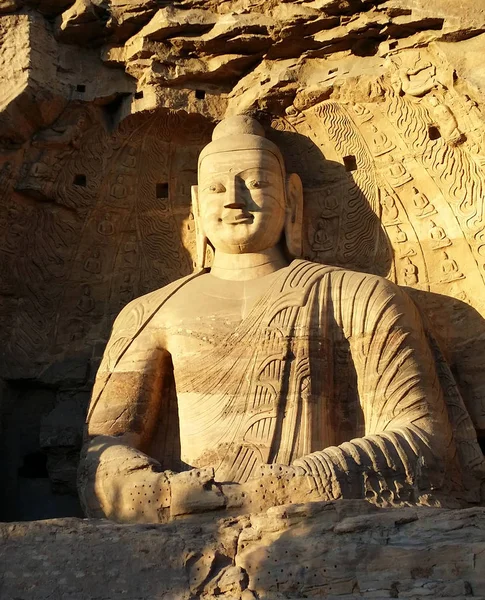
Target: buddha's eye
(255, 184)
(216, 188)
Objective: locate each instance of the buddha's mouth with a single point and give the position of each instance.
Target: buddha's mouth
(238, 219)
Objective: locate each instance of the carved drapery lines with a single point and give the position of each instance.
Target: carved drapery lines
(295, 441)
(269, 384)
(248, 398)
(287, 435)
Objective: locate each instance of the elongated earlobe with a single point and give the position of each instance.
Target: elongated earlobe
(294, 215)
(200, 237)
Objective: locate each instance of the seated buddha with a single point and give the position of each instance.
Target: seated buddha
(266, 379)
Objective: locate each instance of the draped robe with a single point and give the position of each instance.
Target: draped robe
(331, 371)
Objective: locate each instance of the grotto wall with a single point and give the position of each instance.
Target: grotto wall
(104, 107)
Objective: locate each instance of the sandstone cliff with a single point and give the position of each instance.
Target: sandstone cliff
(104, 106)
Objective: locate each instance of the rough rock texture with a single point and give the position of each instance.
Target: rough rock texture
(104, 106)
(345, 550)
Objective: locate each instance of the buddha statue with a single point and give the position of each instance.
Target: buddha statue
(266, 379)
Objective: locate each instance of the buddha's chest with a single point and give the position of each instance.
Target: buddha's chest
(240, 366)
(233, 378)
(189, 337)
(206, 311)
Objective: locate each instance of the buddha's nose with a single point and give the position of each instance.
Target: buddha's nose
(239, 205)
(234, 198)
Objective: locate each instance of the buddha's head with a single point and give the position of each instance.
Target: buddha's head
(244, 202)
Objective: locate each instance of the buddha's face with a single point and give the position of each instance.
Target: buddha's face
(242, 200)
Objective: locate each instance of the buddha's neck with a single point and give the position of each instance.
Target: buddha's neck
(242, 267)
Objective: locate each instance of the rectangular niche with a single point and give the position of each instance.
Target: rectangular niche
(350, 163)
(162, 190)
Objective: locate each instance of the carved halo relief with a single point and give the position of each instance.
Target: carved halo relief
(380, 142)
(449, 269)
(423, 207)
(362, 112)
(86, 302)
(390, 211)
(438, 236)
(410, 271)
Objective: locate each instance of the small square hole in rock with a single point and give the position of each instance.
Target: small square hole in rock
(162, 190)
(350, 163)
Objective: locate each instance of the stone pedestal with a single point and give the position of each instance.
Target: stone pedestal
(345, 550)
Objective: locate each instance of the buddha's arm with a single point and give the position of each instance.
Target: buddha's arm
(407, 448)
(117, 479)
(115, 473)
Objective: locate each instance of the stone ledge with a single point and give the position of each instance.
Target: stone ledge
(344, 549)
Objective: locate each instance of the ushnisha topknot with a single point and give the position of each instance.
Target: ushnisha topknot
(240, 132)
(240, 124)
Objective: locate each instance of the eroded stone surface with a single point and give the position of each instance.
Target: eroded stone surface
(346, 550)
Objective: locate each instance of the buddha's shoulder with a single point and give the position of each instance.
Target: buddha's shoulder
(336, 272)
(340, 277)
(145, 307)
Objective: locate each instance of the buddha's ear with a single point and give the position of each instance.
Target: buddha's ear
(200, 237)
(294, 215)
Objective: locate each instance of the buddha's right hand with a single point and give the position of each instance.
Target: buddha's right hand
(122, 483)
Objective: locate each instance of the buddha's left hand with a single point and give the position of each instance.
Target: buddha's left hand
(272, 485)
